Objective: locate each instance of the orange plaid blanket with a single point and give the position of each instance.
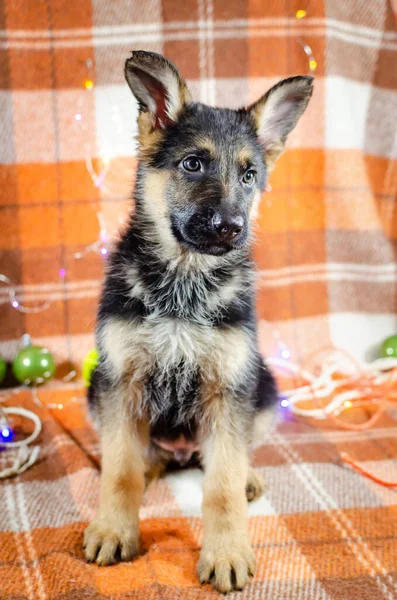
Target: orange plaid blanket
(320, 532)
(326, 245)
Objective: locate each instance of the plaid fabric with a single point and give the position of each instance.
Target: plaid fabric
(325, 252)
(320, 532)
(326, 235)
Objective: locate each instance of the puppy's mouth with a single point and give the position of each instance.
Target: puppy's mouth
(206, 246)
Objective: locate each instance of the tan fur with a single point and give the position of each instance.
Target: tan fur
(226, 551)
(154, 470)
(206, 143)
(263, 426)
(149, 137)
(135, 349)
(244, 156)
(122, 486)
(254, 212)
(254, 486)
(154, 193)
(155, 183)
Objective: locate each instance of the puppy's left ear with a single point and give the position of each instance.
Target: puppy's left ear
(156, 84)
(278, 111)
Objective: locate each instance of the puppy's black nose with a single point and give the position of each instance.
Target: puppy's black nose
(227, 227)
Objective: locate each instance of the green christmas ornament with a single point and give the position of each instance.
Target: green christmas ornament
(389, 347)
(90, 363)
(33, 365)
(3, 368)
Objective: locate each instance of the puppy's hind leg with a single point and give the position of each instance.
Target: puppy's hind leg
(255, 486)
(114, 534)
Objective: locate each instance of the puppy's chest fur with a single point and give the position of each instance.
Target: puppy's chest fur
(176, 328)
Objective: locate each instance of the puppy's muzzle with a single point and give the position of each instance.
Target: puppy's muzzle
(227, 227)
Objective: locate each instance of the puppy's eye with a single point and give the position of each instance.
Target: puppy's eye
(249, 177)
(192, 164)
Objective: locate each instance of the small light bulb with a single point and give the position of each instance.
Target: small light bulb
(348, 404)
(15, 304)
(106, 160)
(313, 64)
(300, 14)
(60, 406)
(285, 353)
(5, 432)
(284, 403)
(88, 84)
(104, 251)
(78, 116)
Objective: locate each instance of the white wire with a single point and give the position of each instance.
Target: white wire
(323, 385)
(28, 414)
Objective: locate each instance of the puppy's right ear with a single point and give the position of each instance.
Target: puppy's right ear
(156, 84)
(278, 111)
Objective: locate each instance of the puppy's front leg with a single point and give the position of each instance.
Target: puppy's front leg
(114, 534)
(226, 555)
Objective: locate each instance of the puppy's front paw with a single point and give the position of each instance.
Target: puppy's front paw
(107, 541)
(227, 561)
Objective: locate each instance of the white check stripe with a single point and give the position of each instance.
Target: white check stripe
(201, 30)
(210, 53)
(283, 276)
(335, 437)
(14, 525)
(202, 23)
(53, 292)
(116, 30)
(29, 541)
(50, 287)
(202, 53)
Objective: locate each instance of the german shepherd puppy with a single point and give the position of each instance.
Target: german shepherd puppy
(180, 371)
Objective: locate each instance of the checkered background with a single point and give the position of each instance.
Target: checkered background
(327, 274)
(326, 242)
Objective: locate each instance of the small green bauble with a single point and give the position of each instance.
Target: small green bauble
(33, 365)
(90, 363)
(389, 347)
(3, 368)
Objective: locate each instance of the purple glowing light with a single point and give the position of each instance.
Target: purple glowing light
(284, 403)
(62, 272)
(104, 251)
(15, 303)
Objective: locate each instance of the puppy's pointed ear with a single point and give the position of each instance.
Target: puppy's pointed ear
(278, 111)
(157, 86)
